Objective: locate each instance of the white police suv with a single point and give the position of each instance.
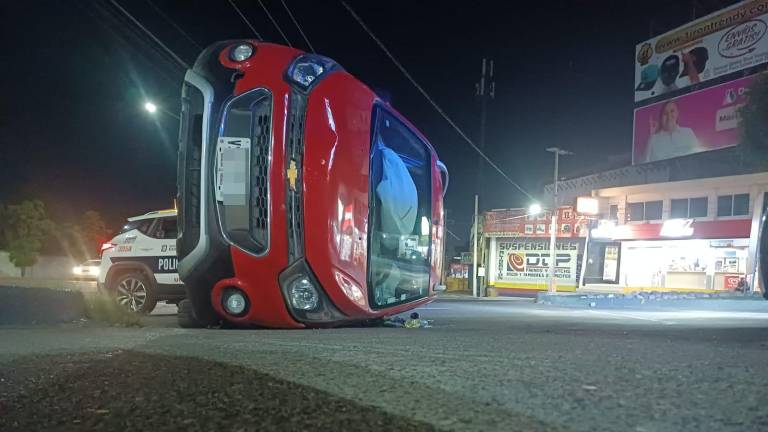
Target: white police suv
(138, 266)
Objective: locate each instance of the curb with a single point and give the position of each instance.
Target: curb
(20, 305)
(642, 299)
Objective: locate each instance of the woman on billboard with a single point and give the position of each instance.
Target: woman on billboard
(668, 139)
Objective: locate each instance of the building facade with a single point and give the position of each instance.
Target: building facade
(690, 235)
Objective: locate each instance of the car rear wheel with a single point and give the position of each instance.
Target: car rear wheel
(135, 293)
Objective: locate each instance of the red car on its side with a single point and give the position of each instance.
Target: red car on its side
(304, 200)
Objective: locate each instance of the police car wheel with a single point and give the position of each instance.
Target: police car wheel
(135, 293)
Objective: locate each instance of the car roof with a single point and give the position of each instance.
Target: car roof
(154, 214)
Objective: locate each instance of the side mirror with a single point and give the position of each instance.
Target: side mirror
(444, 172)
(439, 288)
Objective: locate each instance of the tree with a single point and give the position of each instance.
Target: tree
(93, 230)
(25, 227)
(754, 117)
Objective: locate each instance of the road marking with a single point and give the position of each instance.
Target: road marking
(626, 315)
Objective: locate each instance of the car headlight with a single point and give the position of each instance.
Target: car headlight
(76, 270)
(234, 301)
(303, 294)
(94, 270)
(307, 69)
(241, 52)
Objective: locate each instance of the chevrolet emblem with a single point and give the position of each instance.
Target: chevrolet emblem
(292, 173)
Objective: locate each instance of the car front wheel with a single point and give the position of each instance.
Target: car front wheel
(135, 293)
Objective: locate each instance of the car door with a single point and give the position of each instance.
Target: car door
(165, 260)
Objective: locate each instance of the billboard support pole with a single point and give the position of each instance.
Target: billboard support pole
(552, 288)
(475, 229)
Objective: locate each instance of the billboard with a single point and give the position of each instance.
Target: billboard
(696, 122)
(726, 41)
(525, 261)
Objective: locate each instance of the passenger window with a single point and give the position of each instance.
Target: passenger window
(165, 228)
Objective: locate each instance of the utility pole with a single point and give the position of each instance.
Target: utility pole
(485, 89)
(552, 288)
(475, 292)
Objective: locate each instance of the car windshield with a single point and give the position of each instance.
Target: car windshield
(401, 214)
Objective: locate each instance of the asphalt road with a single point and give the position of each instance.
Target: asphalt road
(486, 365)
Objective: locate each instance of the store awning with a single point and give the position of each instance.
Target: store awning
(722, 229)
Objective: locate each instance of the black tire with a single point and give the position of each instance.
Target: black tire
(186, 316)
(135, 292)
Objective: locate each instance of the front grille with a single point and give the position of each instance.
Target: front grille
(295, 154)
(244, 218)
(259, 220)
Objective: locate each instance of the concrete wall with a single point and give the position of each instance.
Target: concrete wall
(47, 267)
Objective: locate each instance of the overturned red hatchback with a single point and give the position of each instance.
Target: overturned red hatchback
(304, 200)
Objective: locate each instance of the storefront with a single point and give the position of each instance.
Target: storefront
(518, 251)
(691, 255)
(523, 264)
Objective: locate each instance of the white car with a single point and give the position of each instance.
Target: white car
(87, 271)
(138, 266)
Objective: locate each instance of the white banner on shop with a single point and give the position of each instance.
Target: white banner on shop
(525, 261)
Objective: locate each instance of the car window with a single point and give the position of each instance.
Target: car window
(400, 232)
(142, 225)
(165, 228)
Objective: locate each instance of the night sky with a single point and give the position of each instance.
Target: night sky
(75, 74)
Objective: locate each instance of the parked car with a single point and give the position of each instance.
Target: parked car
(138, 266)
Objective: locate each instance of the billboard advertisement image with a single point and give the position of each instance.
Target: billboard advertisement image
(727, 41)
(696, 122)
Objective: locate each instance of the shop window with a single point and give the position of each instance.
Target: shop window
(733, 205)
(698, 207)
(679, 208)
(741, 204)
(541, 229)
(529, 229)
(649, 210)
(689, 208)
(653, 210)
(613, 212)
(565, 229)
(636, 211)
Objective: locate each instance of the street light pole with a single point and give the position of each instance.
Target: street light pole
(475, 292)
(552, 288)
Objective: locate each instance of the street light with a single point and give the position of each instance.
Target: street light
(553, 228)
(535, 209)
(150, 107)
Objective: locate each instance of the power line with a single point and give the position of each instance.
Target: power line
(452, 234)
(149, 33)
(173, 23)
(431, 101)
(237, 9)
(298, 26)
(275, 23)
